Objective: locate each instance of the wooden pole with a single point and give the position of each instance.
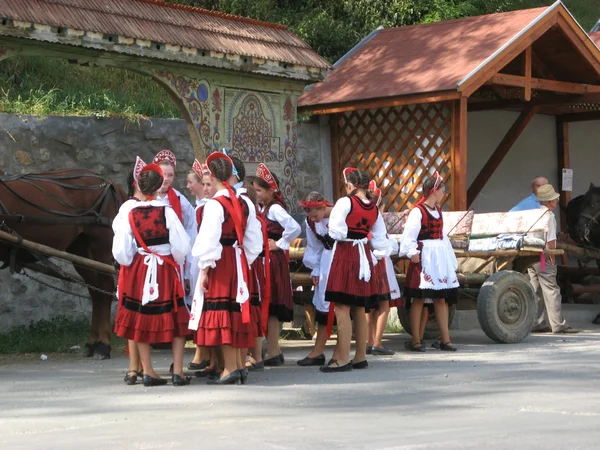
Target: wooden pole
(459, 154)
(335, 155)
(304, 279)
(501, 151)
(527, 73)
(78, 260)
(564, 162)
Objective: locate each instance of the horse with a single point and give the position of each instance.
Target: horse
(69, 210)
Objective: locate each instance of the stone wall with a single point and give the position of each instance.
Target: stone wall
(109, 147)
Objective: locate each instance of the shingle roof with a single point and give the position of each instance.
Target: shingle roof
(156, 21)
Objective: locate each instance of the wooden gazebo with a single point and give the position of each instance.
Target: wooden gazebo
(398, 105)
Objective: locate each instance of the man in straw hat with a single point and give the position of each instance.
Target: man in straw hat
(542, 275)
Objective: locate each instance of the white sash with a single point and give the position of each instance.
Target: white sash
(151, 287)
(364, 272)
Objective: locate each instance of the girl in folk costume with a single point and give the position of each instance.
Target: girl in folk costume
(377, 316)
(432, 269)
(282, 229)
(151, 242)
(317, 257)
(228, 241)
(354, 223)
(200, 186)
(182, 207)
(134, 196)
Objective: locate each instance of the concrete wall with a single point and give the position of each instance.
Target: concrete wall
(109, 147)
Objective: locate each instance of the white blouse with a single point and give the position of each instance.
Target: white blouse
(291, 228)
(408, 243)
(338, 229)
(314, 247)
(124, 246)
(208, 248)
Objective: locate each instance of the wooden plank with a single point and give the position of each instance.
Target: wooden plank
(580, 117)
(547, 100)
(501, 151)
(508, 54)
(527, 74)
(580, 40)
(427, 97)
(564, 162)
(459, 154)
(545, 85)
(335, 155)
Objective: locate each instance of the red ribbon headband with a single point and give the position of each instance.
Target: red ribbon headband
(264, 174)
(139, 165)
(214, 156)
(152, 167)
(347, 170)
(375, 191)
(200, 168)
(438, 181)
(165, 155)
(313, 204)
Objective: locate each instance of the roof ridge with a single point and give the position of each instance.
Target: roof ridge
(461, 19)
(214, 13)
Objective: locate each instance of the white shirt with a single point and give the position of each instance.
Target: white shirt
(208, 248)
(338, 229)
(314, 247)
(291, 228)
(551, 236)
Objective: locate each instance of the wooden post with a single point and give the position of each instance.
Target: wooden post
(459, 154)
(501, 151)
(335, 155)
(527, 73)
(564, 162)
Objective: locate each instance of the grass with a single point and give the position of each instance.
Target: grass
(44, 86)
(57, 335)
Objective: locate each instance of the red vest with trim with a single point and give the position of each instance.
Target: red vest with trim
(199, 215)
(361, 218)
(431, 228)
(228, 235)
(151, 224)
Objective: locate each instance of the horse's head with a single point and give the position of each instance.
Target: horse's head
(588, 221)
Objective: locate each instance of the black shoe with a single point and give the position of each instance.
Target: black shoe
(333, 367)
(360, 365)
(447, 347)
(256, 367)
(149, 381)
(274, 361)
(382, 351)
(90, 348)
(179, 381)
(193, 366)
(233, 378)
(417, 348)
(130, 380)
(243, 375)
(369, 350)
(316, 361)
(281, 357)
(205, 373)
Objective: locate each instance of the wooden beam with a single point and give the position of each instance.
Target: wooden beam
(545, 85)
(501, 151)
(581, 117)
(459, 154)
(334, 108)
(335, 154)
(527, 74)
(508, 54)
(550, 100)
(564, 162)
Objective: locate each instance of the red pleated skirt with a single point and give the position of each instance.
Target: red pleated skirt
(343, 285)
(380, 287)
(221, 320)
(282, 303)
(158, 321)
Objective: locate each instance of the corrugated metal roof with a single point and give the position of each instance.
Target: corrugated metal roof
(419, 58)
(170, 24)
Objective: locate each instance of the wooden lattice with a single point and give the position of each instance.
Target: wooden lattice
(398, 147)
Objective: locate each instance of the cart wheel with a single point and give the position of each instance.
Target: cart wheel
(431, 329)
(506, 307)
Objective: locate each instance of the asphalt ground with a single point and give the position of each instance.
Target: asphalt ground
(543, 393)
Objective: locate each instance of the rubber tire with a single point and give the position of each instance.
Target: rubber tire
(493, 296)
(431, 330)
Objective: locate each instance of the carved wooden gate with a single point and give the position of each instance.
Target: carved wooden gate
(399, 147)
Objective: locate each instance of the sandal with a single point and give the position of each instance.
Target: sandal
(447, 347)
(337, 368)
(417, 348)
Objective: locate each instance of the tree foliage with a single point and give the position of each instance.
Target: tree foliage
(332, 27)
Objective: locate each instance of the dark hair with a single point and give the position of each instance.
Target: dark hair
(239, 166)
(149, 182)
(360, 180)
(263, 184)
(221, 169)
(429, 184)
(130, 182)
(251, 192)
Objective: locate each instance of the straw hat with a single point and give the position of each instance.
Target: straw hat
(546, 193)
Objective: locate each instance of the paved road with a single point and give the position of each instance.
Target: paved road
(543, 393)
